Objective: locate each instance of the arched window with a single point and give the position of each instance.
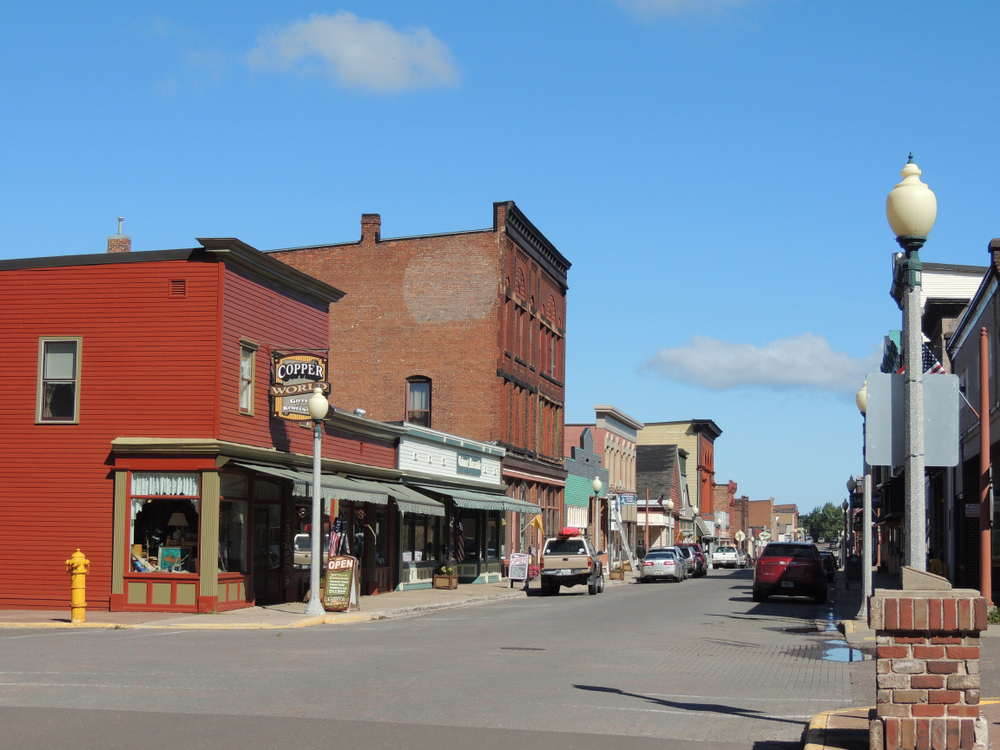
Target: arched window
(418, 401)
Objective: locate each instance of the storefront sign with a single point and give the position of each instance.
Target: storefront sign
(341, 589)
(627, 499)
(293, 379)
(470, 464)
(518, 566)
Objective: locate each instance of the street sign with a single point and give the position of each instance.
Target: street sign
(884, 420)
(764, 536)
(740, 536)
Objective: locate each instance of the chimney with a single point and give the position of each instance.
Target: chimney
(371, 227)
(119, 243)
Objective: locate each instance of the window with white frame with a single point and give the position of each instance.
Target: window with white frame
(248, 357)
(58, 398)
(418, 401)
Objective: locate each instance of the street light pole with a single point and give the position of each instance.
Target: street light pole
(911, 209)
(318, 407)
(597, 484)
(866, 544)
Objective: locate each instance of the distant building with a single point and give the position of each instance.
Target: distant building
(697, 438)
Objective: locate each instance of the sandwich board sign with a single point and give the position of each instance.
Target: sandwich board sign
(341, 590)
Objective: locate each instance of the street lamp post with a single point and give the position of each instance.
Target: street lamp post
(911, 209)
(597, 484)
(866, 540)
(670, 521)
(843, 546)
(318, 407)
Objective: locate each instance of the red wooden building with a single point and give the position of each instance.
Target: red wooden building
(148, 442)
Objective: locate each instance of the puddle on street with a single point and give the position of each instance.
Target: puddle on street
(837, 651)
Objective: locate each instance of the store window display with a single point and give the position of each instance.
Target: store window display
(163, 534)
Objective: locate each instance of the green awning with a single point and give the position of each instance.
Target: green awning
(408, 499)
(472, 500)
(332, 486)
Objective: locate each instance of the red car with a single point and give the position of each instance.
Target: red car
(789, 569)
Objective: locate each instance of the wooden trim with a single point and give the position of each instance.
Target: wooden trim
(208, 536)
(119, 550)
(42, 340)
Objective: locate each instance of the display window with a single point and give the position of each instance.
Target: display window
(421, 535)
(163, 533)
(234, 490)
(469, 539)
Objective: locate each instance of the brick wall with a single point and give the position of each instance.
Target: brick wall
(927, 672)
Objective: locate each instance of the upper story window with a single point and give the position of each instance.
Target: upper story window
(418, 401)
(248, 360)
(58, 398)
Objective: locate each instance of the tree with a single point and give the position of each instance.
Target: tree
(824, 523)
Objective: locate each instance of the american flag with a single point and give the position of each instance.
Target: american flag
(931, 364)
(459, 542)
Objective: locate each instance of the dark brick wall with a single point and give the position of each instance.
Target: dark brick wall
(445, 307)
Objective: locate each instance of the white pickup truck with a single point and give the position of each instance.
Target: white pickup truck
(725, 557)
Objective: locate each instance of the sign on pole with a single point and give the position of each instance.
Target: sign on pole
(885, 420)
(293, 379)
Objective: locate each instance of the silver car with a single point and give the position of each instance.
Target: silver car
(663, 564)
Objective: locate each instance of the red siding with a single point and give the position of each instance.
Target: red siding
(147, 369)
(272, 318)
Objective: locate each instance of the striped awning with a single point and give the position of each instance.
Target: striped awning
(407, 498)
(332, 486)
(472, 500)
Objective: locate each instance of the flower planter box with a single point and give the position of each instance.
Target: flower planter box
(446, 582)
(617, 575)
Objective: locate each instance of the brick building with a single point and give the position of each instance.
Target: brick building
(463, 332)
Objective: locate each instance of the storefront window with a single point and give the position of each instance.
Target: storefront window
(232, 536)
(380, 536)
(419, 538)
(492, 539)
(470, 537)
(163, 535)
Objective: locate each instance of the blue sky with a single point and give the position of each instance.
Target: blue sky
(715, 170)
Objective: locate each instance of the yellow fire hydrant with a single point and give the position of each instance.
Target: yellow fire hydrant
(78, 566)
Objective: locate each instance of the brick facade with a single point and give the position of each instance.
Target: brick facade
(480, 316)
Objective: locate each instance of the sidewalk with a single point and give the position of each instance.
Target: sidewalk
(847, 729)
(387, 606)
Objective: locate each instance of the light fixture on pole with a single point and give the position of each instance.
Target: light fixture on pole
(596, 484)
(861, 399)
(318, 407)
(670, 521)
(911, 209)
(843, 544)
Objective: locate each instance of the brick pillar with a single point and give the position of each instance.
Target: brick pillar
(371, 228)
(927, 669)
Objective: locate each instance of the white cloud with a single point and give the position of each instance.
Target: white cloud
(358, 53)
(805, 361)
(661, 8)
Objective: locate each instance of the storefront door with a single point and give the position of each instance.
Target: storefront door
(267, 552)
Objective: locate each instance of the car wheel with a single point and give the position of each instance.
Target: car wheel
(549, 589)
(592, 588)
(759, 596)
(820, 598)
(600, 589)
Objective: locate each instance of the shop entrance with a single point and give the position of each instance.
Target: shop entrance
(267, 587)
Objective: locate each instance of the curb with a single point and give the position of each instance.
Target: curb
(302, 622)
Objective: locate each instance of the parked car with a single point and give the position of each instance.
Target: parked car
(569, 559)
(663, 564)
(700, 563)
(742, 556)
(789, 569)
(726, 557)
(829, 564)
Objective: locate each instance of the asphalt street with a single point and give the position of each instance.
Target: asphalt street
(690, 663)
